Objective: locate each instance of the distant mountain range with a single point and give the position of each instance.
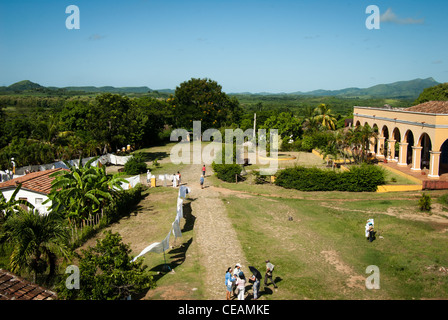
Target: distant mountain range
(398, 90)
(29, 86)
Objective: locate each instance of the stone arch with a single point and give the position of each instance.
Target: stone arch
(385, 134)
(424, 141)
(395, 144)
(409, 139)
(443, 164)
(376, 130)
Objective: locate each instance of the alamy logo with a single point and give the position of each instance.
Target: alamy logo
(72, 281)
(181, 152)
(73, 20)
(373, 281)
(373, 21)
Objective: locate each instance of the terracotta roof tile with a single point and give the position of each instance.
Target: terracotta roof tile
(13, 287)
(439, 107)
(36, 181)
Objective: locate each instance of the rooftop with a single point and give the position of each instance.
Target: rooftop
(439, 107)
(13, 287)
(39, 181)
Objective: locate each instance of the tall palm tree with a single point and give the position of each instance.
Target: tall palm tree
(325, 117)
(37, 241)
(359, 139)
(310, 123)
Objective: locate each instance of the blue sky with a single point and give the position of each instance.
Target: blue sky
(255, 46)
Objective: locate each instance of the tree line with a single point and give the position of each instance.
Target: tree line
(38, 130)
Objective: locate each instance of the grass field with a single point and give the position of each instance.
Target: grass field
(322, 252)
(315, 239)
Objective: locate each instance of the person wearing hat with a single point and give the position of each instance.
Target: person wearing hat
(237, 272)
(268, 275)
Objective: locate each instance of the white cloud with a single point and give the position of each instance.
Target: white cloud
(390, 16)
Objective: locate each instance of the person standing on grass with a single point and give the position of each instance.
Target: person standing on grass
(201, 180)
(241, 284)
(230, 280)
(256, 286)
(268, 275)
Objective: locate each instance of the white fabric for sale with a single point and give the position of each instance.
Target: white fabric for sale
(183, 191)
(180, 209)
(156, 247)
(176, 228)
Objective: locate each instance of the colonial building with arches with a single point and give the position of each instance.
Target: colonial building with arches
(416, 137)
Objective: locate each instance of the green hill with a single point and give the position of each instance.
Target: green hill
(24, 85)
(438, 92)
(398, 90)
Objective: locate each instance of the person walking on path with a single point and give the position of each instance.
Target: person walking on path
(179, 178)
(230, 280)
(203, 170)
(201, 181)
(268, 275)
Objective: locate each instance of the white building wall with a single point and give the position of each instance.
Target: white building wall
(36, 199)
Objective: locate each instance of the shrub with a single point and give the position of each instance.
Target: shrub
(358, 179)
(424, 202)
(135, 165)
(227, 172)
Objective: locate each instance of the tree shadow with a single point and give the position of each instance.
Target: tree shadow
(176, 256)
(151, 156)
(188, 216)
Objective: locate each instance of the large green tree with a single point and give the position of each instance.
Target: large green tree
(435, 93)
(203, 100)
(108, 273)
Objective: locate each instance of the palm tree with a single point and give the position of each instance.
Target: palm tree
(37, 241)
(82, 191)
(325, 117)
(359, 139)
(310, 122)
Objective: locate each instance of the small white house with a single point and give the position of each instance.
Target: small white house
(35, 188)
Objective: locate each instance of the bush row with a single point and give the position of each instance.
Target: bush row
(357, 179)
(227, 172)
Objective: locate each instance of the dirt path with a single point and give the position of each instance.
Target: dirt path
(216, 238)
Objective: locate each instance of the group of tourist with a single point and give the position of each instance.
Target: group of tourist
(235, 281)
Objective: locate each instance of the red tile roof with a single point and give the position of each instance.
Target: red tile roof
(440, 107)
(39, 181)
(13, 287)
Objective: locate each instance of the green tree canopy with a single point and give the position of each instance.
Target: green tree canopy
(435, 93)
(203, 100)
(108, 273)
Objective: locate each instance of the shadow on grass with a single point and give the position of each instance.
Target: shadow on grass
(151, 156)
(176, 256)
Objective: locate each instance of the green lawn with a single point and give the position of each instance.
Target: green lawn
(409, 255)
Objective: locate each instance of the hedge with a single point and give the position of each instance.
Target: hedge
(227, 172)
(357, 179)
